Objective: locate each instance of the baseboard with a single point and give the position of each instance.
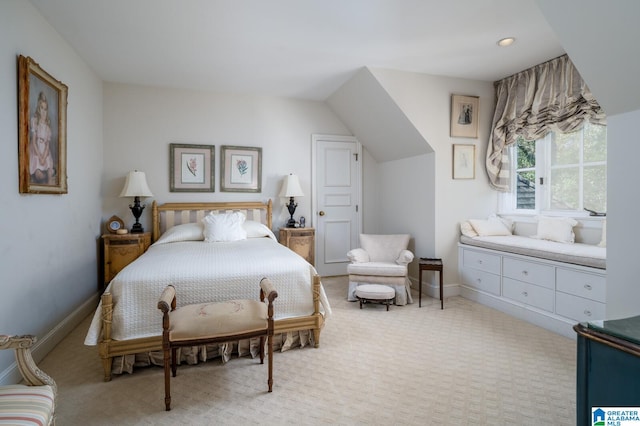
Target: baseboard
(46, 343)
(433, 289)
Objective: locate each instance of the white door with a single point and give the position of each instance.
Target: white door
(337, 194)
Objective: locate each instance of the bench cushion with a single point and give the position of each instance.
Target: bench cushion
(210, 320)
(26, 405)
(577, 253)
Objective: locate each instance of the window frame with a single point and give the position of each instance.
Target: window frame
(507, 201)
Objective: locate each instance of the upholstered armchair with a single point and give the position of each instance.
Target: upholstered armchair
(34, 401)
(381, 259)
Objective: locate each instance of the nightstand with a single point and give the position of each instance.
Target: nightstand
(121, 250)
(301, 241)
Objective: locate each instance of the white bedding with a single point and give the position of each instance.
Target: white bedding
(203, 272)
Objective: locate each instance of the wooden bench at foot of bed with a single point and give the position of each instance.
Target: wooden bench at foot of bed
(108, 348)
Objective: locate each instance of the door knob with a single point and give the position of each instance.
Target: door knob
(321, 213)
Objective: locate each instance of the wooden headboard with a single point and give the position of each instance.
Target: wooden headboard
(168, 215)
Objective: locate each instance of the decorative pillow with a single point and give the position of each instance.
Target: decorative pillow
(508, 223)
(184, 232)
(224, 227)
(603, 241)
(467, 230)
(489, 227)
(257, 230)
(558, 229)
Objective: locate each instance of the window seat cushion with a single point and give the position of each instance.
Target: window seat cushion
(577, 253)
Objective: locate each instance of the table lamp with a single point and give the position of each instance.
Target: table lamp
(136, 186)
(291, 188)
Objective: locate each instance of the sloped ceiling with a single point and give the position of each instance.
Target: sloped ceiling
(602, 40)
(376, 120)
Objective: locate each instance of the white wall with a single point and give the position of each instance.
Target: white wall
(623, 203)
(140, 123)
(427, 179)
(48, 247)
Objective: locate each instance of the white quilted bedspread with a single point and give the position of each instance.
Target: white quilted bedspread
(204, 272)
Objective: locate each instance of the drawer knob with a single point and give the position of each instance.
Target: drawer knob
(525, 294)
(587, 286)
(587, 312)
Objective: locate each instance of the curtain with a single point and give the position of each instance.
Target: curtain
(549, 96)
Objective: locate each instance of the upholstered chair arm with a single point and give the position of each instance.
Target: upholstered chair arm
(404, 258)
(31, 374)
(358, 256)
(167, 301)
(267, 290)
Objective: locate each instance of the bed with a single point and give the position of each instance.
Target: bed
(126, 326)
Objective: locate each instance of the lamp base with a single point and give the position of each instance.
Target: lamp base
(291, 223)
(137, 228)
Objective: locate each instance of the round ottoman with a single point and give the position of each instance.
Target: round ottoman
(377, 293)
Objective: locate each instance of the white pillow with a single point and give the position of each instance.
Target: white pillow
(467, 230)
(224, 227)
(558, 229)
(184, 232)
(508, 223)
(489, 227)
(603, 241)
(257, 230)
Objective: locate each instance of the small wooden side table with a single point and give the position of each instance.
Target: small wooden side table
(121, 250)
(430, 264)
(301, 241)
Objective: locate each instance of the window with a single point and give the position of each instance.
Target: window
(563, 172)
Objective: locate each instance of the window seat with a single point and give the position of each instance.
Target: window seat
(578, 253)
(550, 284)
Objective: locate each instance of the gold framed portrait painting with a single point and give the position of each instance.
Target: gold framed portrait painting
(42, 132)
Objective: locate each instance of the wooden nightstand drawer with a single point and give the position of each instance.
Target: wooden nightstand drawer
(301, 241)
(121, 250)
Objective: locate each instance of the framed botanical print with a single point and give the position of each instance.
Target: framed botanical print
(240, 169)
(191, 168)
(42, 132)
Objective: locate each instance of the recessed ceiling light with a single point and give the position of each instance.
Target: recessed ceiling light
(507, 41)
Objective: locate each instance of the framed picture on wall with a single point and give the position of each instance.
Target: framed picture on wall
(42, 132)
(191, 168)
(464, 116)
(464, 161)
(240, 169)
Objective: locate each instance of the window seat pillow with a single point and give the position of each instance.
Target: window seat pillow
(576, 253)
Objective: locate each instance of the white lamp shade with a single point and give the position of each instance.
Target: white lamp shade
(291, 187)
(136, 185)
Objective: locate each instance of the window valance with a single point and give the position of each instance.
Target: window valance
(549, 96)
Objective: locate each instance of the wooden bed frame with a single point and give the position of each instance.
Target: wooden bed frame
(164, 217)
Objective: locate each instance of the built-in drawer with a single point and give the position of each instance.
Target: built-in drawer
(578, 308)
(481, 280)
(582, 284)
(530, 272)
(481, 260)
(533, 295)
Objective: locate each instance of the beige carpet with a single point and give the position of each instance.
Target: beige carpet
(464, 365)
